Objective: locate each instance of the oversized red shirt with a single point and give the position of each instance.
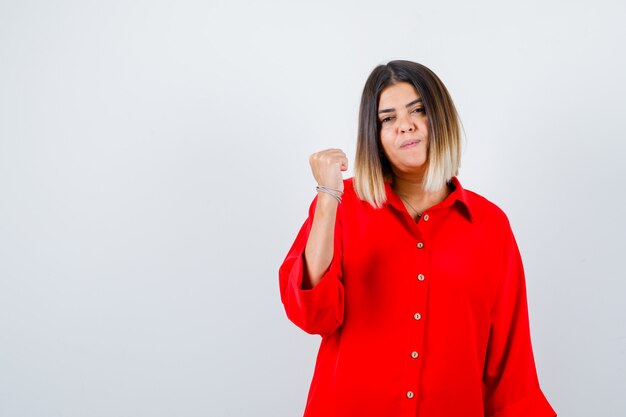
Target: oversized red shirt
(425, 318)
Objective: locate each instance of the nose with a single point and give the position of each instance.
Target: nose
(406, 124)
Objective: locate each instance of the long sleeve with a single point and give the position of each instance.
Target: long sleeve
(511, 386)
(319, 310)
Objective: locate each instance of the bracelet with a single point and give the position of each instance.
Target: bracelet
(327, 190)
(335, 196)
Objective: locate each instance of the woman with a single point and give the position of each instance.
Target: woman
(415, 284)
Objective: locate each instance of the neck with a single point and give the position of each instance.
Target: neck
(410, 189)
(409, 186)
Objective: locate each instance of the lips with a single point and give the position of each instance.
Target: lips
(409, 143)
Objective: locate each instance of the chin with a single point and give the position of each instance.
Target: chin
(410, 168)
(415, 163)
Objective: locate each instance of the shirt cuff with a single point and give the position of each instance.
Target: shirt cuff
(533, 405)
(323, 295)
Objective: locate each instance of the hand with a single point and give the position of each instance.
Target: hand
(327, 166)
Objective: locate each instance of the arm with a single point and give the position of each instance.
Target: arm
(320, 244)
(312, 292)
(510, 382)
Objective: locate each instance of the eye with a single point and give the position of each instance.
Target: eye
(386, 119)
(418, 110)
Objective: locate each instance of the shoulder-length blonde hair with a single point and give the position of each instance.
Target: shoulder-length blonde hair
(371, 167)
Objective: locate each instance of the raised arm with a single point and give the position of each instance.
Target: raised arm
(310, 276)
(326, 167)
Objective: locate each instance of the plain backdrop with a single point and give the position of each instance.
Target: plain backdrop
(154, 172)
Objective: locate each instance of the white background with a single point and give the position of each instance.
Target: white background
(154, 173)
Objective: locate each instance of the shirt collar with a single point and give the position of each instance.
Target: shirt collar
(459, 198)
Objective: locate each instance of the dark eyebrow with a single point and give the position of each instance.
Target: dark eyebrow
(417, 100)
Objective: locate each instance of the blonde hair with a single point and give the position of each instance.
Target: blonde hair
(371, 166)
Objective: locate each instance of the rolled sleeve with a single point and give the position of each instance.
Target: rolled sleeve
(510, 377)
(533, 405)
(318, 310)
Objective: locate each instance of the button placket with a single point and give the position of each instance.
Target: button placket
(420, 297)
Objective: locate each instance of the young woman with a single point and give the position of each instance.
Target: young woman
(415, 284)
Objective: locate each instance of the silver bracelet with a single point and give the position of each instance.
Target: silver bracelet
(326, 190)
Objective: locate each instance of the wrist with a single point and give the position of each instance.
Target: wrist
(333, 192)
(327, 199)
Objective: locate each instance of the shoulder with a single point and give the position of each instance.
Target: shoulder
(485, 210)
(348, 183)
(351, 203)
(349, 193)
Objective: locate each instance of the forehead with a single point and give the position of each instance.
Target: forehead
(397, 95)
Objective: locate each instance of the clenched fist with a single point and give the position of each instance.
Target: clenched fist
(327, 166)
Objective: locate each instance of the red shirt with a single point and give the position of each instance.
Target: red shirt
(425, 318)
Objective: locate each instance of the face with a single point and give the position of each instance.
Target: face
(404, 128)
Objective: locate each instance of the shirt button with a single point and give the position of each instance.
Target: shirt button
(425, 217)
(420, 245)
(417, 316)
(414, 355)
(409, 394)
(420, 277)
